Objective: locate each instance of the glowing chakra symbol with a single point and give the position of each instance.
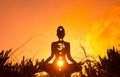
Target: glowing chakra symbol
(60, 63)
(61, 46)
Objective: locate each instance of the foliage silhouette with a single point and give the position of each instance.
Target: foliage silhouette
(24, 69)
(111, 64)
(108, 66)
(4, 57)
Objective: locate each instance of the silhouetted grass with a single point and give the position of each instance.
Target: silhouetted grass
(24, 69)
(108, 66)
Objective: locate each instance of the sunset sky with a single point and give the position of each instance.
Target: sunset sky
(93, 23)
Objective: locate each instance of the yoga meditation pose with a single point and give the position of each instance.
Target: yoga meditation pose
(60, 53)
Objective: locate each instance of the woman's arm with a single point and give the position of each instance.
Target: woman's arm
(69, 55)
(51, 56)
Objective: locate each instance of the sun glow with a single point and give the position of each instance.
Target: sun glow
(60, 63)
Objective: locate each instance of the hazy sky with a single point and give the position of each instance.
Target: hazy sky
(93, 23)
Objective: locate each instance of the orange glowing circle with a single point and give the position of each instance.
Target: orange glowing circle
(60, 63)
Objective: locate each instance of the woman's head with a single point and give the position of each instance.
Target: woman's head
(60, 32)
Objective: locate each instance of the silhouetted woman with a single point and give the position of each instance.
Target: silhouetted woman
(60, 51)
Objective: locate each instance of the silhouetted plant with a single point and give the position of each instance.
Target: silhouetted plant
(25, 69)
(90, 68)
(111, 63)
(7, 69)
(4, 56)
(108, 66)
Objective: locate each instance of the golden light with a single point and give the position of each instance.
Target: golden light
(60, 63)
